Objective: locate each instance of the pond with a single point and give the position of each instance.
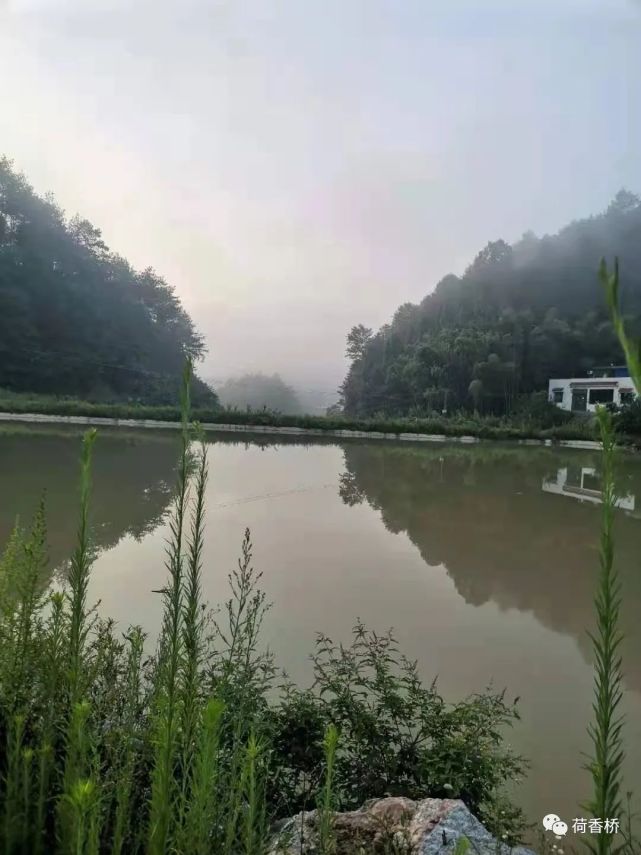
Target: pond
(483, 558)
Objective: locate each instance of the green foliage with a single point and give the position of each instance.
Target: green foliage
(536, 409)
(168, 700)
(326, 841)
(518, 316)
(605, 731)
(606, 763)
(397, 736)
(627, 419)
(76, 318)
(530, 420)
(631, 347)
(357, 340)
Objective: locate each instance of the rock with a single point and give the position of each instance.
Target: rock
(395, 824)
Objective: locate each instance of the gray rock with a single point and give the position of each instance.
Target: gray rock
(458, 823)
(426, 827)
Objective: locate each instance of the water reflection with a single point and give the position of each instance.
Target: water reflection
(132, 476)
(498, 519)
(492, 577)
(583, 483)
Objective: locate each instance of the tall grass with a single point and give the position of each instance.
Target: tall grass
(168, 701)
(605, 730)
(606, 762)
(326, 839)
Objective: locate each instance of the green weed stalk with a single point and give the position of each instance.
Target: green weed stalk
(326, 807)
(605, 730)
(253, 826)
(193, 634)
(79, 573)
(201, 811)
(125, 774)
(606, 765)
(167, 701)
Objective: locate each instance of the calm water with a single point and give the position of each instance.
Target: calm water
(482, 558)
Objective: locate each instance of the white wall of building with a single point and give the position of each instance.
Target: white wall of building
(567, 393)
(574, 486)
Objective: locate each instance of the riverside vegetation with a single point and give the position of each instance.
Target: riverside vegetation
(537, 418)
(192, 749)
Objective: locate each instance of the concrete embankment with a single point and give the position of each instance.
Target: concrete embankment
(273, 430)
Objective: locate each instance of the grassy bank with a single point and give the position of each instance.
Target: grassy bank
(456, 425)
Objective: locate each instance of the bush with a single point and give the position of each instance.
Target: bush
(627, 419)
(397, 736)
(537, 409)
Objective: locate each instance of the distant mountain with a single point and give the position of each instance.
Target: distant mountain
(313, 399)
(258, 392)
(76, 318)
(519, 315)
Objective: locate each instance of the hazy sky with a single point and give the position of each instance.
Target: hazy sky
(295, 167)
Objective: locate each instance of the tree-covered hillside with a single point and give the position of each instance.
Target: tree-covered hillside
(258, 392)
(519, 315)
(76, 318)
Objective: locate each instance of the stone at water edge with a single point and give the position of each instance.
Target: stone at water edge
(426, 827)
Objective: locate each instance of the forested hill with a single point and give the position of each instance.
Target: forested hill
(519, 315)
(258, 392)
(76, 318)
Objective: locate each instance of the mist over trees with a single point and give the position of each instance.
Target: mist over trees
(258, 392)
(76, 318)
(518, 316)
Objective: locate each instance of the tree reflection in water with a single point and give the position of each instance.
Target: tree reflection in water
(516, 526)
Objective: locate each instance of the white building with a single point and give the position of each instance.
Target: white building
(610, 385)
(584, 484)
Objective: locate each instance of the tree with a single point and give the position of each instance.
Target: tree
(476, 392)
(357, 340)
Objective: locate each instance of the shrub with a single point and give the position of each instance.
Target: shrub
(627, 419)
(397, 736)
(537, 409)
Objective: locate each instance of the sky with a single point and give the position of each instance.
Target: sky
(295, 167)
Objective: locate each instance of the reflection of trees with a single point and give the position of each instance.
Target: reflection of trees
(132, 478)
(482, 513)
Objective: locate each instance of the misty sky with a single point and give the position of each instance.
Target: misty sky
(295, 167)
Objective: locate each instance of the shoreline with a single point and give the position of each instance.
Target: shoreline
(276, 430)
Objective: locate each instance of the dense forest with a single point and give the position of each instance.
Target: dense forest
(76, 318)
(518, 316)
(260, 392)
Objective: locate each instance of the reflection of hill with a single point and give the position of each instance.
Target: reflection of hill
(483, 514)
(133, 475)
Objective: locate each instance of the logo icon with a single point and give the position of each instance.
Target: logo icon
(554, 823)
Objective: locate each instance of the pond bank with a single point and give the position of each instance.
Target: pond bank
(215, 427)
